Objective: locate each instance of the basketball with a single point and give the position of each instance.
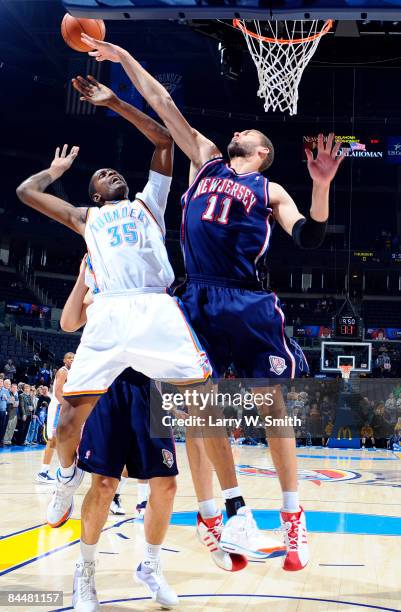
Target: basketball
(72, 28)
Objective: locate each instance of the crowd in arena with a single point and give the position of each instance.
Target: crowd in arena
(317, 404)
(24, 403)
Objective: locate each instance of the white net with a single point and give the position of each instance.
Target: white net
(281, 50)
(346, 371)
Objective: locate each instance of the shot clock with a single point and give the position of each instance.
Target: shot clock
(347, 327)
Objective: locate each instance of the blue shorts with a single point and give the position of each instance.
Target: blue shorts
(117, 433)
(244, 327)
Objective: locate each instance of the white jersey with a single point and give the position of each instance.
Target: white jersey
(125, 241)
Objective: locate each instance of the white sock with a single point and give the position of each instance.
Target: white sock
(45, 467)
(291, 501)
(88, 552)
(143, 492)
(67, 472)
(208, 508)
(121, 485)
(152, 554)
(231, 493)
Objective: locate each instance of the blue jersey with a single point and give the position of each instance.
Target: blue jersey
(226, 223)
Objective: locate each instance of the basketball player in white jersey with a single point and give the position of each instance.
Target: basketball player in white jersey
(53, 413)
(133, 322)
(125, 408)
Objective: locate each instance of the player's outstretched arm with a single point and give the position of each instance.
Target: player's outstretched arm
(197, 147)
(73, 316)
(309, 232)
(322, 170)
(31, 192)
(99, 95)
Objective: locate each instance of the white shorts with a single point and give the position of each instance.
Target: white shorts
(146, 331)
(53, 413)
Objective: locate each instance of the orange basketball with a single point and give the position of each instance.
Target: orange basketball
(72, 28)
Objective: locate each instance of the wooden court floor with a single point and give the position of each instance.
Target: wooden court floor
(353, 504)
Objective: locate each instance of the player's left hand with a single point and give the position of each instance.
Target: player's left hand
(94, 92)
(103, 50)
(323, 168)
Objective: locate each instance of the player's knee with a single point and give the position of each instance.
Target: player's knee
(68, 424)
(104, 487)
(165, 488)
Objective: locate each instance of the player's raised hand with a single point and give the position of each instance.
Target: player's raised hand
(92, 91)
(103, 50)
(324, 166)
(62, 160)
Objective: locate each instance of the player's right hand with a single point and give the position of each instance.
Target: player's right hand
(94, 92)
(104, 50)
(62, 161)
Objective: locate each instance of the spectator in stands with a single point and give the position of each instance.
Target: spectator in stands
(367, 433)
(383, 363)
(315, 423)
(43, 395)
(42, 415)
(12, 409)
(25, 415)
(391, 409)
(36, 358)
(381, 427)
(4, 395)
(10, 370)
(328, 431)
(34, 396)
(33, 430)
(44, 375)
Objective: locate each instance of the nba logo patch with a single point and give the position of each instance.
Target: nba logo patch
(277, 364)
(87, 454)
(168, 458)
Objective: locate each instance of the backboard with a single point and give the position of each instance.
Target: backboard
(356, 354)
(235, 9)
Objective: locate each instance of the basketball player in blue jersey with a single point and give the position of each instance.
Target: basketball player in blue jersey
(228, 213)
(134, 321)
(117, 434)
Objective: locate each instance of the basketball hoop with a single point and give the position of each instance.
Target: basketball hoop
(345, 371)
(281, 56)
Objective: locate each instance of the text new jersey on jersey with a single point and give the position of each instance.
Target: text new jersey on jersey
(226, 222)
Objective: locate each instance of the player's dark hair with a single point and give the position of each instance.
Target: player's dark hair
(266, 142)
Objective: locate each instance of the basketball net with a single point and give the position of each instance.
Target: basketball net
(345, 371)
(281, 56)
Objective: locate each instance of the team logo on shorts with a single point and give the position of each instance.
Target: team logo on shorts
(277, 364)
(87, 454)
(168, 458)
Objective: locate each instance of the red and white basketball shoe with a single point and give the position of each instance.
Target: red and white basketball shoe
(293, 525)
(209, 532)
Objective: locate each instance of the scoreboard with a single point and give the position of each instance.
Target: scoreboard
(347, 327)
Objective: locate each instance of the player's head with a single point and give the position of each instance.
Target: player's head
(68, 359)
(107, 185)
(255, 146)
